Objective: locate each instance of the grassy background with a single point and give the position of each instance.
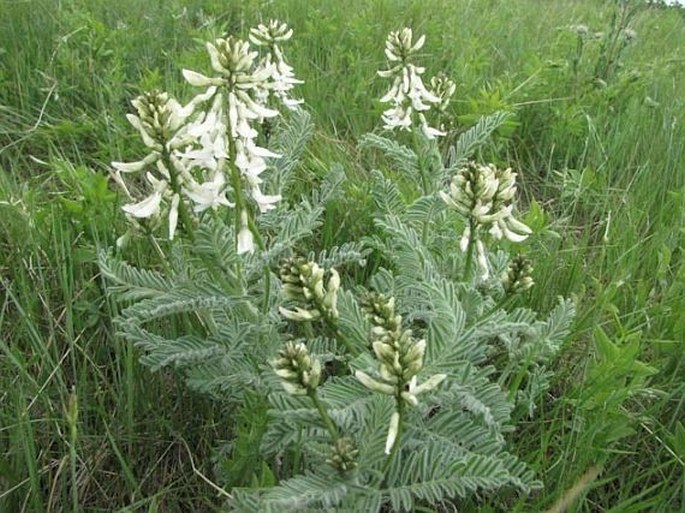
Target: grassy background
(84, 427)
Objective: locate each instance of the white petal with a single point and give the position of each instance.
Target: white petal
(430, 384)
(482, 260)
(265, 202)
(373, 384)
(146, 208)
(200, 80)
(465, 239)
(419, 43)
(391, 56)
(147, 140)
(517, 226)
(133, 167)
(431, 133)
(512, 236)
(392, 432)
(245, 237)
(214, 58)
(173, 216)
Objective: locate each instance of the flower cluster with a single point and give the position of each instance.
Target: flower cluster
(407, 94)
(518, 277)
(444, 88)
(226, 130)
(161, 123)
(300, 373)
(343, 455)
(282, 76)
(312, 287)
(400, 357)
(204, 156)
(483, 195)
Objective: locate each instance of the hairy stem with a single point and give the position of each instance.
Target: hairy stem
(236, 183)
(267, 271)
(324, 414)
(334, 330)
(469, 250)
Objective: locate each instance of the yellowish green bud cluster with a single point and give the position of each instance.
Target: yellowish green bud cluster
(232, 58)
(273, 32)
(399, 45)
(299, 372)
(484, 196)
(400, 356)
(343, 455)
(313, 287)
(380, 311)
(443, 88)
(157, 116)
(518, 276)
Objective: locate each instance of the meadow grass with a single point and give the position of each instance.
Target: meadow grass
(83, 426)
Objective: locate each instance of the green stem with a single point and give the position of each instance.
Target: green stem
(267, 271)
(72, 417)
(338, 335)
(422, 167)
(469, 250)
(237, 185)
(324, 414)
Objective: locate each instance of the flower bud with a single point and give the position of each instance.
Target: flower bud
(444, 89)
(392, 431)
(303, 282)
(372, 384)
(343, 455)
(273, 32)
(299, 373)
(484, 195)
(518, 276)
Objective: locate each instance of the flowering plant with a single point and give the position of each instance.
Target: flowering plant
(207, 151)
(385, 374)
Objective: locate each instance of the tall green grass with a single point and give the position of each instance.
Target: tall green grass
(83, 427)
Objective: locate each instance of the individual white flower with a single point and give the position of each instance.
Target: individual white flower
(429, 132)
(210, 194)
(482, 260)
(374, 384)
(414, 389)
(148, 207)
(173, 215)
(151, 205)
(265, 202)
(134, 167)
(245, 237)
(393, 431)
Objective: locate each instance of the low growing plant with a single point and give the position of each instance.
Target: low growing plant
(391, 388)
